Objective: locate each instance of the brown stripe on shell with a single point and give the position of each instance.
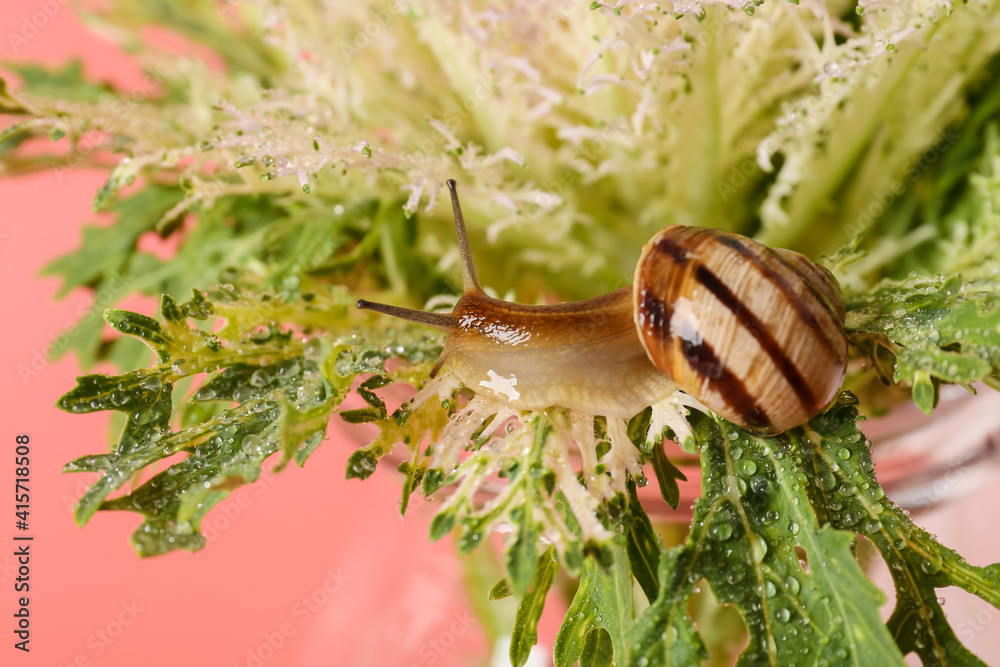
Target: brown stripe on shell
(759, 330)
(818, 279)
(674, 250)
(805, 313)
(702, 359)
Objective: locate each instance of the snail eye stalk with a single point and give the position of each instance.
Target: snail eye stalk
(442, 321)
(470, 283)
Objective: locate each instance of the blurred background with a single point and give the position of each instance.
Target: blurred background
(303, 567)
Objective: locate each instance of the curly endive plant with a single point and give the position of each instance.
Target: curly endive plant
(304, 169)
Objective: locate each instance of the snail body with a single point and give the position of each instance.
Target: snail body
(583, 355)
(753, 333)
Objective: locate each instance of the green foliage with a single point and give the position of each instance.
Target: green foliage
(282, 389)
(644, 547)
(8, 104)
(205, 23)
(602, 602)
(65, 83)
(753, 516)
(529, 608)
(934, 319)
(768, 499)
(106, 252)
(774, 535)
(930, 329)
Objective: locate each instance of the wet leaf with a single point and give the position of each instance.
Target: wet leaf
(753, 514)
(843, 488)
(603, 601)
(277, 394)
(644, 547)
(940, 329)
(530, 606)
(598, 651)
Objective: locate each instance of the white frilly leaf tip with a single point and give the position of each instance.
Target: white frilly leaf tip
(570, 454)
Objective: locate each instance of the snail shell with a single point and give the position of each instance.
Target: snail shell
(753, 333)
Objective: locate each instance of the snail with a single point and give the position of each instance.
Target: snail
(756, 334)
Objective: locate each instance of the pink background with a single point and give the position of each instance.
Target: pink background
(400, 600)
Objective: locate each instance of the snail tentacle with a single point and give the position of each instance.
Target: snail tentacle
(470, 283)
(442, 321)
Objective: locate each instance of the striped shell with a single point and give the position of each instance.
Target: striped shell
(754, 333)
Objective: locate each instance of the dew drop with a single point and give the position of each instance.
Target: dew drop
(759, 550)
(251, 444)
(151, 383)
(758, 485)
(259, 378)
(931, 566)
(721, 531)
